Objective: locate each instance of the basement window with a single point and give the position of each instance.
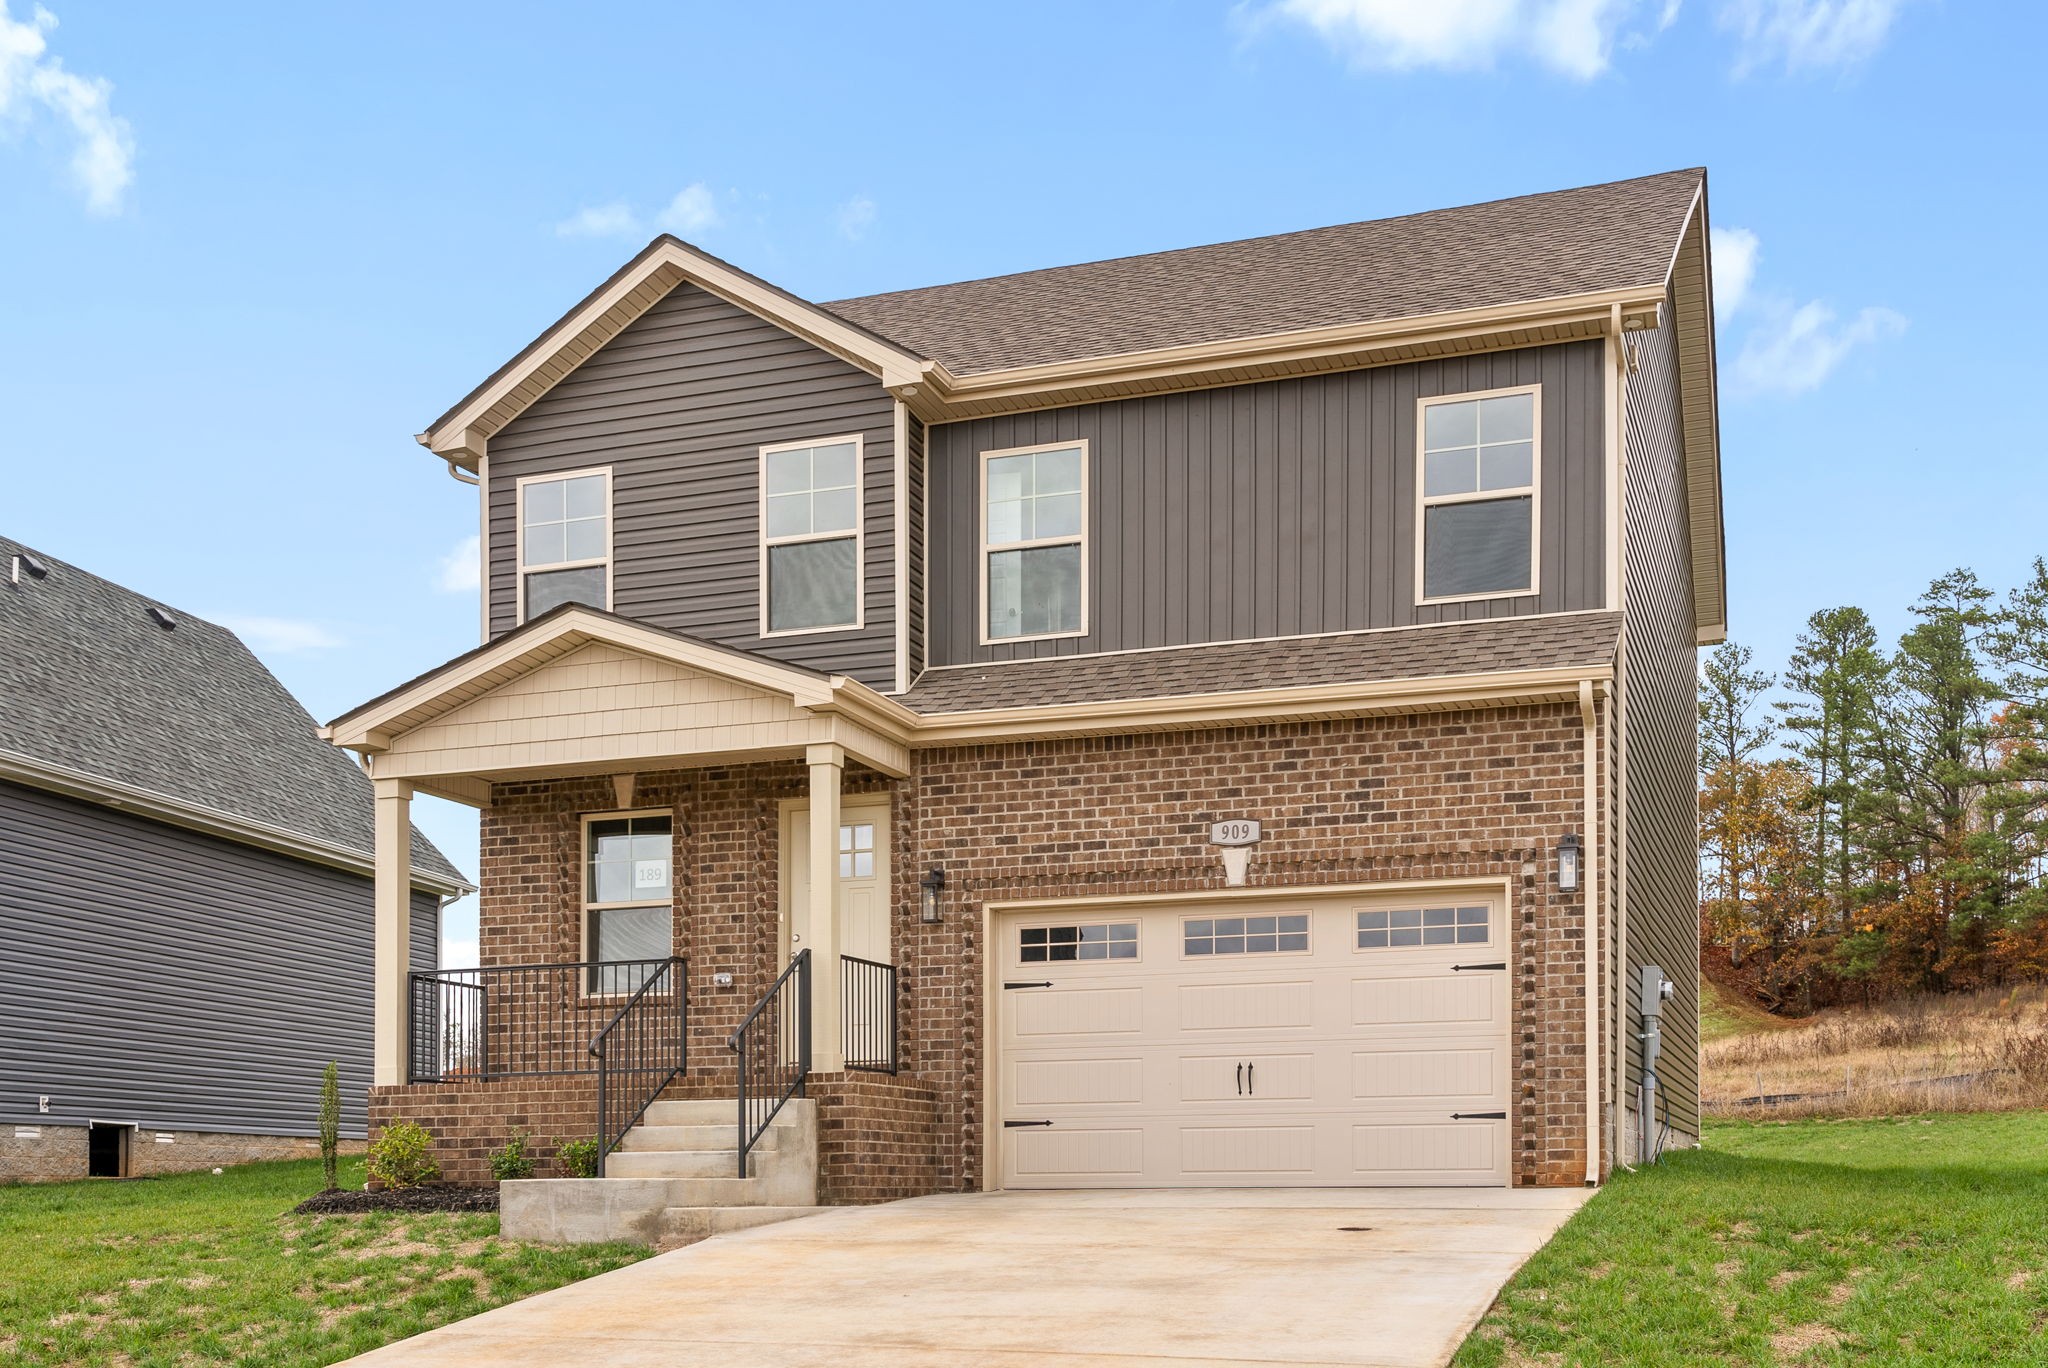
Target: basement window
(565, 541)
(1477, 493)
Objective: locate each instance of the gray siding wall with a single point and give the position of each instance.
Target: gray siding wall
(1659, 720)
(1271, 509)
(678, 405)
(915, 536)
(161, 976)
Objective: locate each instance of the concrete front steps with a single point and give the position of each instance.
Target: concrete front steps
(674, 1179)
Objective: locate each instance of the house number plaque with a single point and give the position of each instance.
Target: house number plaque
(1239, 831)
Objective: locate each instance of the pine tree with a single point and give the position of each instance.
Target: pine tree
(1837, 673)
(1729, 736)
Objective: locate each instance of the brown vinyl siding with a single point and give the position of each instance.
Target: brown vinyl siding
(1659, 663)
(679, 405)
(1272, 509)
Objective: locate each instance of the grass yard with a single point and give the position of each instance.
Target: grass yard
(1918, 1240)
(201, 1269)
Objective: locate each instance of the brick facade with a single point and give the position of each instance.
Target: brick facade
(57, 1154)
(1483, 793)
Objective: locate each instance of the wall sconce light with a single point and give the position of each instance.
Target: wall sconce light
(1568, 864)
(931, 885)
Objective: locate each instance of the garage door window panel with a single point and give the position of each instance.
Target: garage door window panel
(1278, 934)
(1092, 941)
(1396, 928)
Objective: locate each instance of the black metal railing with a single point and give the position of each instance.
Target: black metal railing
(640, 1051)
(867, 1013)
(517, 1020)
(774, 1048)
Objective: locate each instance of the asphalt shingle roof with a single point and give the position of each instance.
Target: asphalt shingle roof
(90, 681)
(1532, 247)
(1531, 643)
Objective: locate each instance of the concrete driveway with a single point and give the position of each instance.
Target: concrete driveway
(1044, 1280)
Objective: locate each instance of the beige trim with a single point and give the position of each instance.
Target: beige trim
(1424, 502)
(993, 912)
(520, 568)
(1614, 378)
(986, 548)
(858, 533)
(392, 930)
(1692, 291)
(827, 766)
(462, 437)
(1589, 880)
(483, 548)
(73, 783)
(899, 535)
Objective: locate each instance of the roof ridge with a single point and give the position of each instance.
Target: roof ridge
(833, 304)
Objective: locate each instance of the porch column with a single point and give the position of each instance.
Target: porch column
(394, 928)
(827, 764)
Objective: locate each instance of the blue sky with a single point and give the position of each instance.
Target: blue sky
(250, 250)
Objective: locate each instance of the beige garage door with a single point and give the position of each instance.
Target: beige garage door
(1325, 1041)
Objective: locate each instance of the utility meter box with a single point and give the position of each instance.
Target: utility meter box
(1655, 989)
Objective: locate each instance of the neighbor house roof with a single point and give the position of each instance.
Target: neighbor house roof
(1550, 642)
(1565, 242)
(100, 698)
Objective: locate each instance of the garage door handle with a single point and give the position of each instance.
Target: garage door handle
(1461, 968)
(1043, 983)
(1479, 1116)
(1013, 1125)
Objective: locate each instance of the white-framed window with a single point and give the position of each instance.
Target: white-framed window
(564, 540)
(1478, 462)
(811, 536)
(1034, 545)
(628, 896)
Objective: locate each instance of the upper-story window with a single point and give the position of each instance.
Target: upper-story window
(1479, 461)
(565, 541)
(1033, 543)
(810, 536)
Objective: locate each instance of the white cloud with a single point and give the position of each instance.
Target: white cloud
(1794, 350)
(1735, 251)
(856, 216)
(1574, 37)
(460, 572)
(601, 220)
(693, 210)
(284, 636)
(1807, 33)
(32, 81)
(458, 952)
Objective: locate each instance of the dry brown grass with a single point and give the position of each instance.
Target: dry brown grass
(1985, 1051)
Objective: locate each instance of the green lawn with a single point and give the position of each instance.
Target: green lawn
(202, 1269)
(1905, 1241)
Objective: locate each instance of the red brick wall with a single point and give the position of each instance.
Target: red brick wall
(469, 1120)
(1436, 796)
(879, 1138)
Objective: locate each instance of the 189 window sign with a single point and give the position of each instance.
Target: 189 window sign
(1239, 831)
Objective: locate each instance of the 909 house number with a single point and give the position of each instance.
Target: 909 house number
(1238, 831)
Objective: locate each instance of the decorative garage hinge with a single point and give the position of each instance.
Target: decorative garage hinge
(1461, 968)
(1013, 1125)
(1479, 1116)
(1039, 983)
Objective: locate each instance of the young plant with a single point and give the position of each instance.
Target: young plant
(511, 1159)
(578, 1158)
(330, 1125)
(402, 1156)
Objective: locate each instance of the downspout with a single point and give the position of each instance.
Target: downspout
(1591, 884)
(459, 473)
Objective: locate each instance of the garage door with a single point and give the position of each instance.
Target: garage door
(1321, 1042)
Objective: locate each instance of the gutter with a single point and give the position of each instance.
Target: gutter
(74, 783)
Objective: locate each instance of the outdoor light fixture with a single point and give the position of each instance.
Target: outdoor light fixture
(933, 883)
(1568, 864)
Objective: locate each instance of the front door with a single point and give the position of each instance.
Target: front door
(863, 877)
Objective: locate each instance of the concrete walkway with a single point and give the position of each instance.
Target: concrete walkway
(1044, 1280)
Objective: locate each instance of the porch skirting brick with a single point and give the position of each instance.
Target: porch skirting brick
(470, 1119)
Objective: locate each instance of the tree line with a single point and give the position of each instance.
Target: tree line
(1874, 821)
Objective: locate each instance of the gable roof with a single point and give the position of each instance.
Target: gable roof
(1562, 243)
(183, 723)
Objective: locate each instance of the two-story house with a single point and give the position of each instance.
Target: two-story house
(1219, 717)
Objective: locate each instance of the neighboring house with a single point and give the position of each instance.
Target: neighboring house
(185, 891)
(1216, 717)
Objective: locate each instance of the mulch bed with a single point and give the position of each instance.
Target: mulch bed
(428, 1197)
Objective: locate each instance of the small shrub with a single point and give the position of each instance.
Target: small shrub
(578, 1158)
(511, 1159)
(402, 1156)
(330, 1124)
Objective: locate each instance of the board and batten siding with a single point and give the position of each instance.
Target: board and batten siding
(1659, 661)
(679, 405)
(172, 979)
(1281, 508)
(915, 537)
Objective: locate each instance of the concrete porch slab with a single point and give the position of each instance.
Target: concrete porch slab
(1046, 1280)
